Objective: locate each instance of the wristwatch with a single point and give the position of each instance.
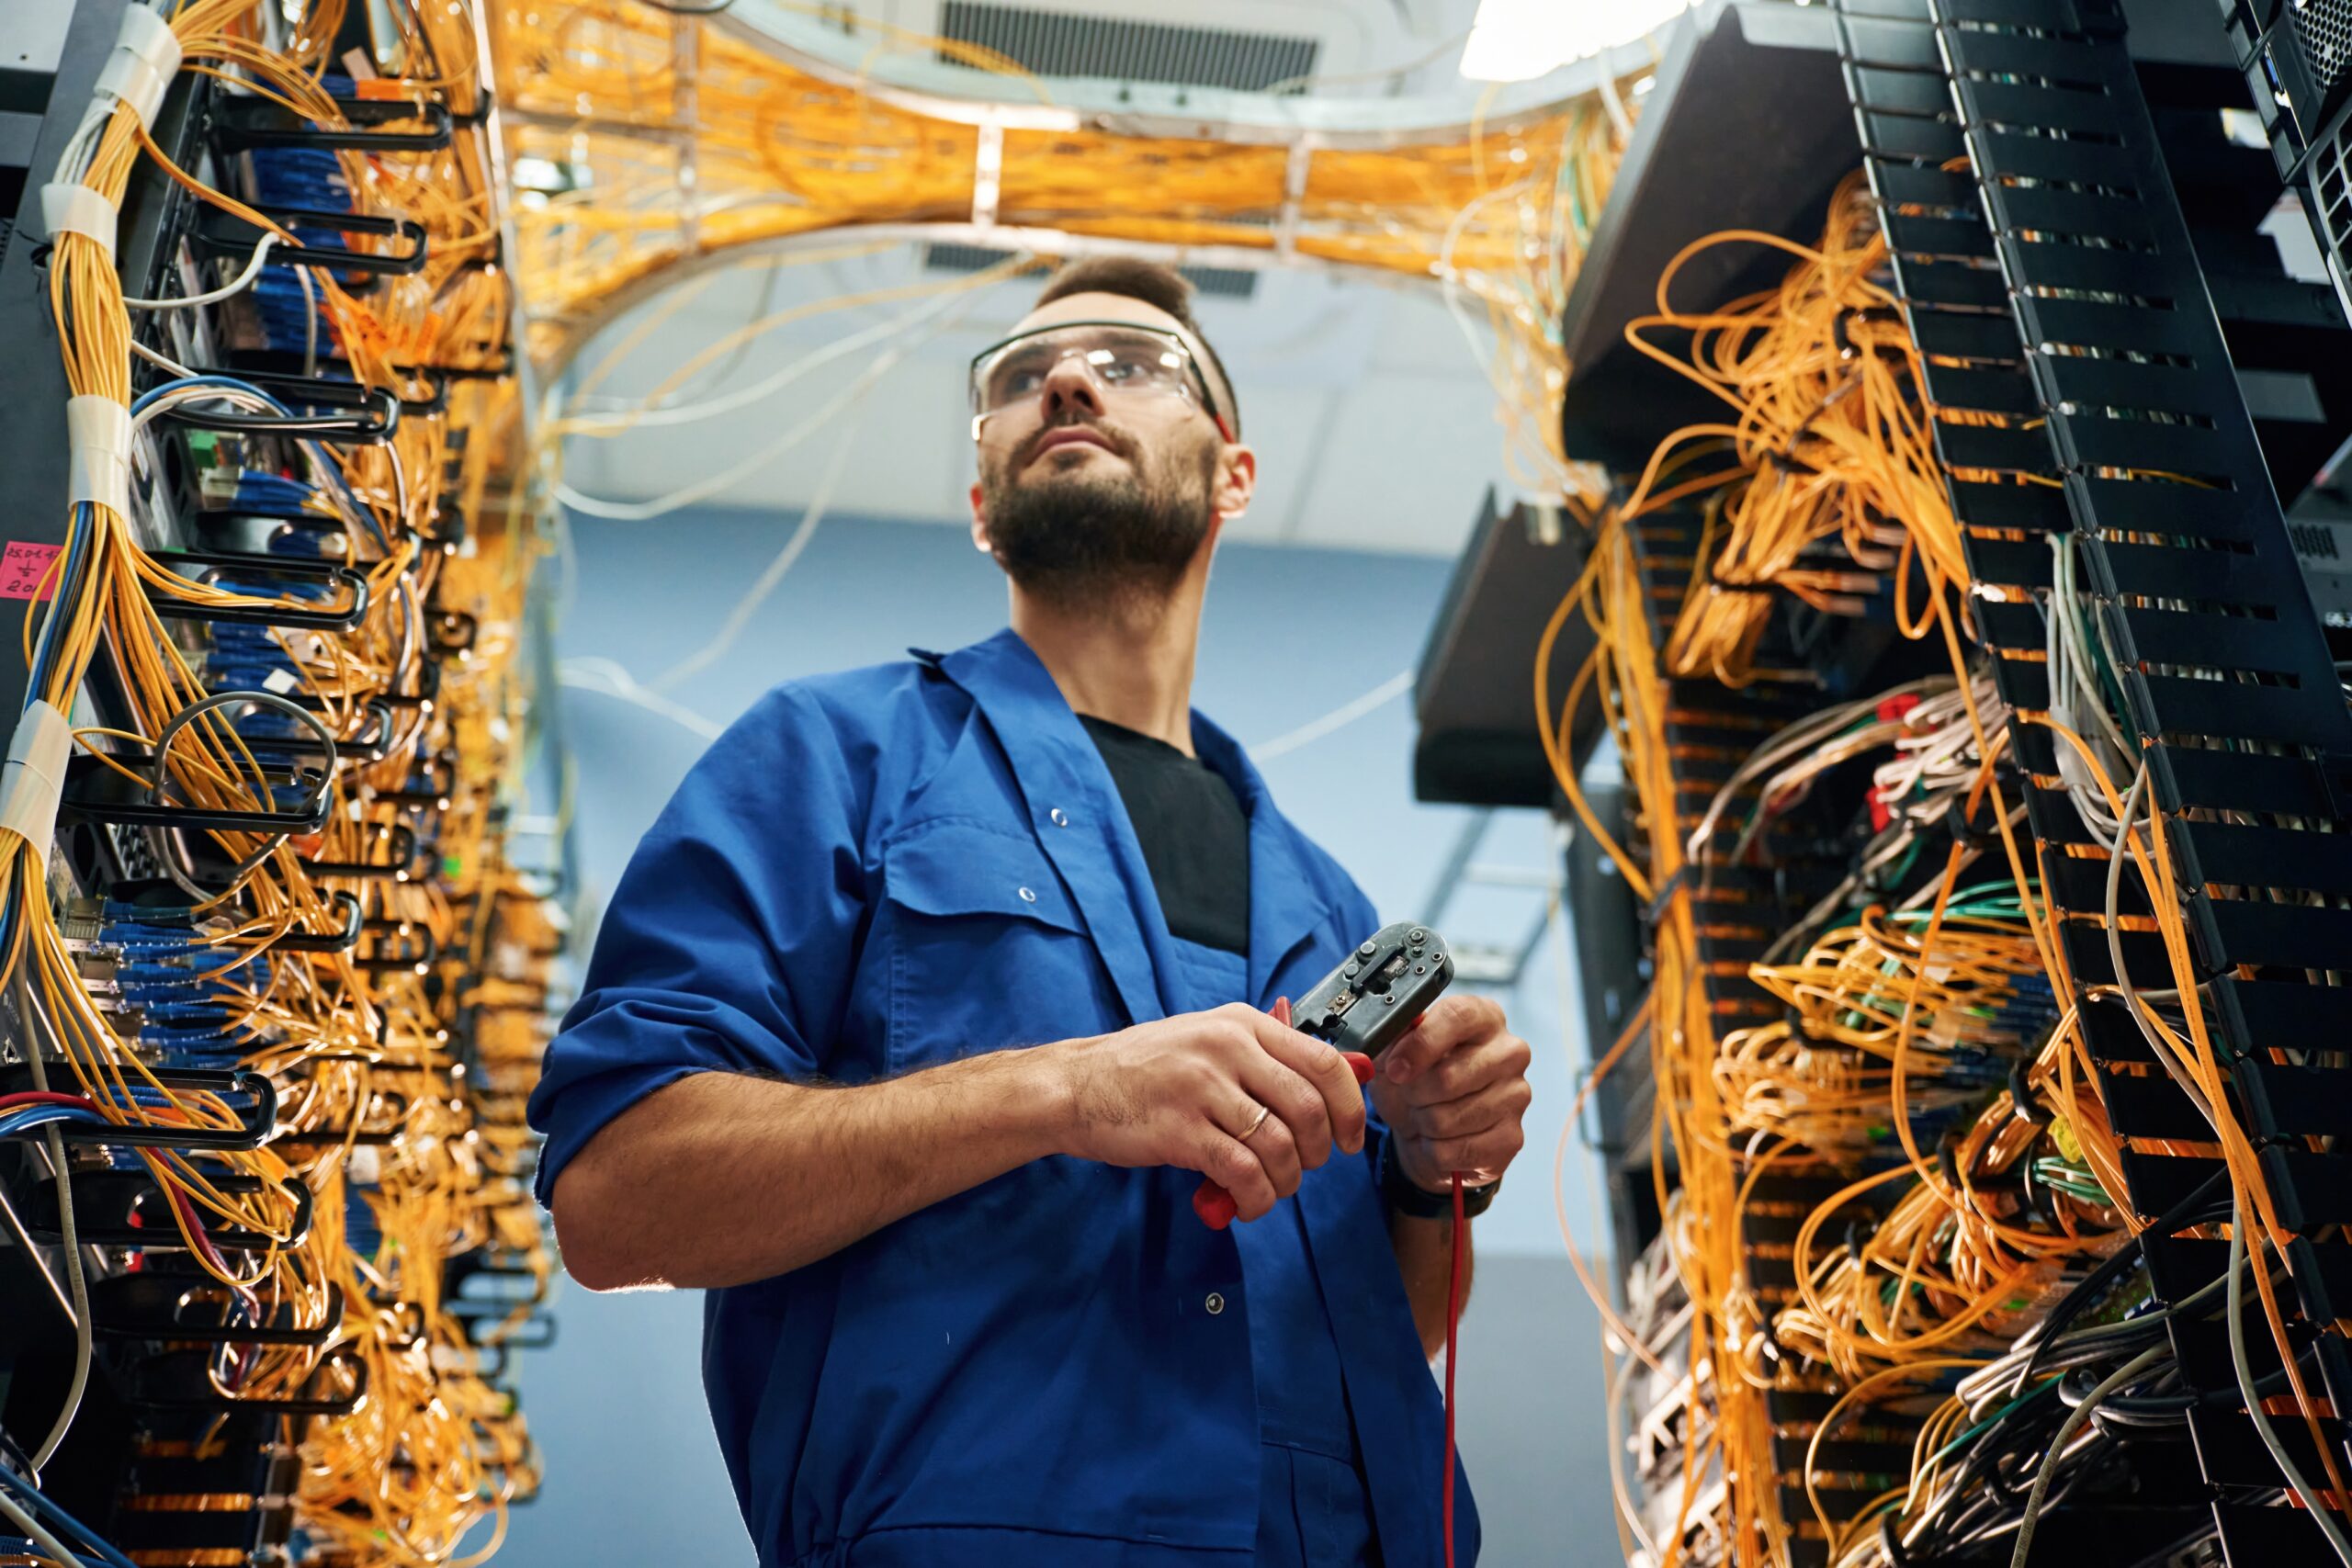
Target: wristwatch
(1405, 1196)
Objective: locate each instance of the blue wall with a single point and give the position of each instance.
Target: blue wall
(1289, 634)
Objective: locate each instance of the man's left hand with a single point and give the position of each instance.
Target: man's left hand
(1453, 1091)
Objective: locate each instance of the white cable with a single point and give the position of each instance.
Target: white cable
(253, 402)
(618, 414)
(160, 361)
(23, 1524)
(236, 286)
(1347, 713)
(741, 616)
(607, 678)
(622, 420)
(311, 324)
(719, 483)
(2312, 1504)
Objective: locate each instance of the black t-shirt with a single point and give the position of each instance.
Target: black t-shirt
(1194, 835)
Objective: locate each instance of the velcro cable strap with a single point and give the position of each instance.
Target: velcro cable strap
(33, 780)
(72, 208)
(97, 430)
(146, 57)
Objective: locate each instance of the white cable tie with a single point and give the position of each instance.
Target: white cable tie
(68, 206)
(146, 57)
(97, 433)
(33, 781)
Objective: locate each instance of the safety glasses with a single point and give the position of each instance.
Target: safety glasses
(1123, 359)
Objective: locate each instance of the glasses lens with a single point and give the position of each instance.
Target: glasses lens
(1121, 359)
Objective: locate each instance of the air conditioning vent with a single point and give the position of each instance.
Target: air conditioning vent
(1219, 282)
(1052, 43)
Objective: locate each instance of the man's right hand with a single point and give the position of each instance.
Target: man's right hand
(1185, 1091)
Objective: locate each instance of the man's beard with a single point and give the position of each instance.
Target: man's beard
(1081, 540)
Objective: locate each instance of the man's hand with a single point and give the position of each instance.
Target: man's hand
(1453, 1091)
(1186, 1091)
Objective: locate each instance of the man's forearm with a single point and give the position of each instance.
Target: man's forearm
(1424, 1251)
(719, 1180)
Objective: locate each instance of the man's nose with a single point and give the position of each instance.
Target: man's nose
(1070, 387)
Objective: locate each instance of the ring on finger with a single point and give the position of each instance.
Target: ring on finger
(1263, 1111)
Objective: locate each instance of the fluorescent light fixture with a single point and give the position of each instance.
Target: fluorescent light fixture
(1518, 41)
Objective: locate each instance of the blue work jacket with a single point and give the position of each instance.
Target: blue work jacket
(876, 871)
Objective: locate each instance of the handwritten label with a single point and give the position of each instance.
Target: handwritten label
(22, 567)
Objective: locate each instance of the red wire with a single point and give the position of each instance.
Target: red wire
(1452, 1323)
(44, 1096)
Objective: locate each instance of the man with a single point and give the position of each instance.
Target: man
(936, 992)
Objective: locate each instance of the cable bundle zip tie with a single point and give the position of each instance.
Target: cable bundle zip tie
(146, 57)
(68, 206)
(97, 430)
(33, 780)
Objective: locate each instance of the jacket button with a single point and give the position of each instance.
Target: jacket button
(1027, 897)
(1215, 1304)
(1060, 818)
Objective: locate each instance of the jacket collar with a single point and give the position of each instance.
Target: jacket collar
(1057, 767)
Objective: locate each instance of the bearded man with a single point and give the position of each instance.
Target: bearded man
(938, 989)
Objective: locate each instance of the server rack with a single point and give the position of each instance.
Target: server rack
(2114, 351)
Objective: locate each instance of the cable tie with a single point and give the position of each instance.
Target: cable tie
(33, 780)
(97, 430)
(1655, 909)
(2021, 1097)
(146, 57)
(1947, 1161)
(69, 207)
(1956, 823)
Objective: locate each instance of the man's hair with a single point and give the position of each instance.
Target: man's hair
(1158, 285)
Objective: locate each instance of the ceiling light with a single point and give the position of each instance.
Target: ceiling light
(1517, 40)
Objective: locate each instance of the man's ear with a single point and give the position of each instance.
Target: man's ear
(1236, 481)
(979, 524)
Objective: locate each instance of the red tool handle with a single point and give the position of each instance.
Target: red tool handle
(1214, 1204)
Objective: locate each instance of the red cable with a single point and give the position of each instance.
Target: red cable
(1452, 1323)
(44, 1096)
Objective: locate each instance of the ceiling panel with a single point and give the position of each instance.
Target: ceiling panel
(1406, 468)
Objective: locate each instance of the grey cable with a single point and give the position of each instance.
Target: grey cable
(67, 1233)
(24, 1239)
(2066, 1430)
(2252, 1397)
(30, 1529)
(2173, 1066)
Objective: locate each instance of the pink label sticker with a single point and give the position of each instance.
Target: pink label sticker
(22, 567)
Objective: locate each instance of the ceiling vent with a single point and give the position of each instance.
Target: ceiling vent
(1218, 282)
(1054, 43)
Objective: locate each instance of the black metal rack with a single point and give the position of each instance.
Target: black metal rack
(2062, 276)
(1478, 743)
(2077, 236)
